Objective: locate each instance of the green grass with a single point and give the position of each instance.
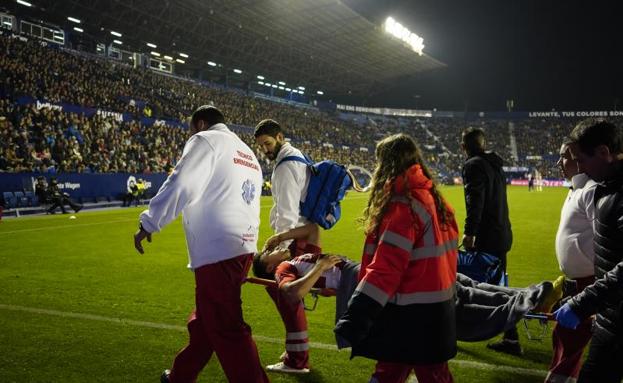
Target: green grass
(89, 266)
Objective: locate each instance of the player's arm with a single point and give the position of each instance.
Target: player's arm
(295, 290)
(309, 232)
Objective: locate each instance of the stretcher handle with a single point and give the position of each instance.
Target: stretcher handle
(541, 316)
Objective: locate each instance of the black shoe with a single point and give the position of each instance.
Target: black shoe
(77, 209)
(507, 346)
(164, 378)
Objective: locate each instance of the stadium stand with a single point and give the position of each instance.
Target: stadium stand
(42, 139)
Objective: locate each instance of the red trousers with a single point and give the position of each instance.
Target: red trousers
(295, 322)
(216, 326)
(569, 345)
(398, 373)
(293, 316)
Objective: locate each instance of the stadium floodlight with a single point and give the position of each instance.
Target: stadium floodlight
(184, 55)
(301, 92)
(282, 88)
(78, 29)
(152, 45)
(155, 53)
(397, 30)
(288, 89)
(73, 20)
(237, 71)
(168, 57)
(118, 42)
(211, 63)
(260, 77)
(281, 83)
(261, 82)
(275, 85)
(180, 61)
(8, 23)
(301, 87)
(25, 3)
(320, 92)
(116, 33)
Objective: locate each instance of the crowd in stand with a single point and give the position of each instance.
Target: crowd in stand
(47, 140)
(50, 141)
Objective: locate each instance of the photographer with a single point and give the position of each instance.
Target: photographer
(59, 199)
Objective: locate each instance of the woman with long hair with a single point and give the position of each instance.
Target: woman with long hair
(402, 312)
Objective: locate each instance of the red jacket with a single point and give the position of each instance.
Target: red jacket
(403, 308)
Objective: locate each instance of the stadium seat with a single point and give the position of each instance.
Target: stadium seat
(21, 199)
(9, 200)
(33, 200)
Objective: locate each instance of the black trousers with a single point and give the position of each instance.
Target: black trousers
(61, 202)
(604, 363)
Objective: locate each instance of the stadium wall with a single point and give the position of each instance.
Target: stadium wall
(85, 186)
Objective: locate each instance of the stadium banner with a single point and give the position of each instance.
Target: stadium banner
(346, 113)
(386, 111)
(89, 112)
(84, 185)
(543, 114)
(550, 183)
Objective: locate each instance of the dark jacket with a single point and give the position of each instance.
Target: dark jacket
(486, 205)
(42, 194)
(605, 296)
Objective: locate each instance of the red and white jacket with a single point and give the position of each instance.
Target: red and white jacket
(403, 308)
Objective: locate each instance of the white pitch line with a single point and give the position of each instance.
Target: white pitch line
(260, 338)
(66, 226)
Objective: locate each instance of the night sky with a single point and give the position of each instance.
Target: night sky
(563, 55)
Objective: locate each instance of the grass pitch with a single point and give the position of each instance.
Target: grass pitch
(78, 304)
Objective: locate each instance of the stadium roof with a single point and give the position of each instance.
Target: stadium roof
(320, 44)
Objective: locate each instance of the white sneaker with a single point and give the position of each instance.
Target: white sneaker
(283, 356)
(281, 367)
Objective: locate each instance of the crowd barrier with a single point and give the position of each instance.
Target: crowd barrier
(84, 185)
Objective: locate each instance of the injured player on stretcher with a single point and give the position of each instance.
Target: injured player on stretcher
(482, 310)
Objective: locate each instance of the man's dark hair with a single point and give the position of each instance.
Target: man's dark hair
(566, 141)
(474, 140)
(591, 133)
(259, 268)
(208, 113)
(267, 127)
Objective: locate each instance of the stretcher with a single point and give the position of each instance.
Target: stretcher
(314, 293)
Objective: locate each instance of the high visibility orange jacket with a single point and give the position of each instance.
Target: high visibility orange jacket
(403, 308)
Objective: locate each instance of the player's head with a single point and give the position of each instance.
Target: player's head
(269, 137)
(567, 163)
(600, 148)
(473, 141)
(204, 117)
(266, 262)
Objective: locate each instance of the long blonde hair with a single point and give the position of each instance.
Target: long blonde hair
(394, 156)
